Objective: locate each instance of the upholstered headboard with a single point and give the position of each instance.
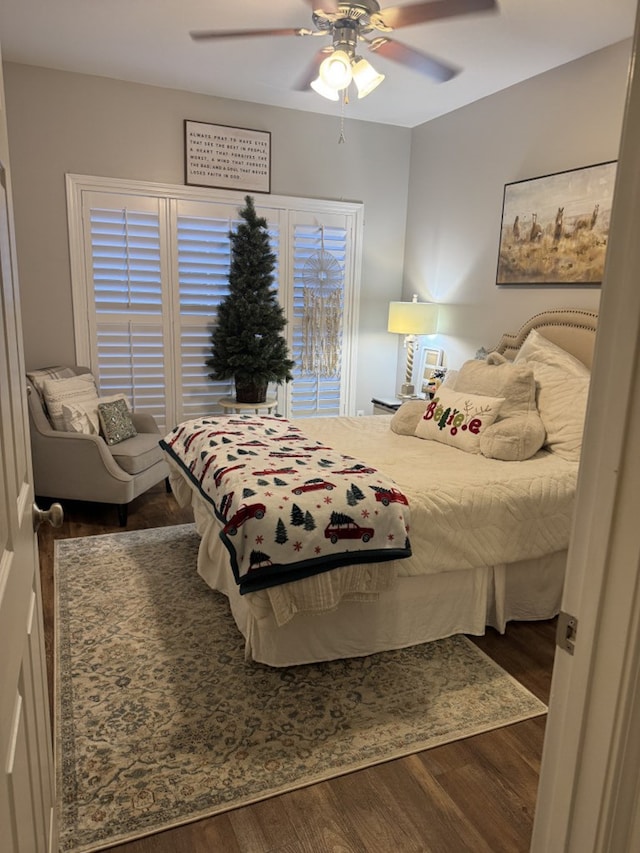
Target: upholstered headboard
(571, 328)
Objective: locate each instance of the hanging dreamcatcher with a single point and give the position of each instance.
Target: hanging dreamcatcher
(323, 280)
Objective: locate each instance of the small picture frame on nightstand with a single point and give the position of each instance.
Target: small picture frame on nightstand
(433, 381)
(430, 359)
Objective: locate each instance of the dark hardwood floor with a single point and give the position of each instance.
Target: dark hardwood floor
(474, 795)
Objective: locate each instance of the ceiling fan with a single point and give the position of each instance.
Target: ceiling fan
(350, 22)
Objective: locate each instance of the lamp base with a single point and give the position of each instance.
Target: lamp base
(407, 390)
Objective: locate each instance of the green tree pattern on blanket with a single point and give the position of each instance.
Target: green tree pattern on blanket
(281, 532)
(297, 516)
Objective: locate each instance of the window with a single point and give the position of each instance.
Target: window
(320, 254)
(149, 268)
(129, 319)
(201, 247)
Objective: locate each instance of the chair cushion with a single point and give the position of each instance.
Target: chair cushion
(137, 454)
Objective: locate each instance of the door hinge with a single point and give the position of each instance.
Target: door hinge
(566, 632)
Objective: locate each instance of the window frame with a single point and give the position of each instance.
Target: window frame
(285, 210)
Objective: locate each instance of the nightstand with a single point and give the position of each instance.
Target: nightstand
(230, 404)
(386, 405)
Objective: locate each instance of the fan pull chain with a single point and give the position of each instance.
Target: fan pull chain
(342, 137)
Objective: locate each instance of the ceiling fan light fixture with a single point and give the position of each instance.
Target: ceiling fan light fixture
(365, 77)
(335, 70)
(318, 85)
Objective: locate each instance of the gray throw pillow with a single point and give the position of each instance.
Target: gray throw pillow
(116, 422)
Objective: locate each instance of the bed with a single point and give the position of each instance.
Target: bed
(487, 530)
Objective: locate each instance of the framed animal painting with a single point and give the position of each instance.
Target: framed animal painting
(555, 228)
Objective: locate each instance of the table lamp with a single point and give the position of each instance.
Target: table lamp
(411, 319)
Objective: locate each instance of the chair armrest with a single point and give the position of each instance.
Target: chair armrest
(144, 422)
(58, 451)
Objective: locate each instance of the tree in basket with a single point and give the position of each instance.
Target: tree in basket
(247, 342)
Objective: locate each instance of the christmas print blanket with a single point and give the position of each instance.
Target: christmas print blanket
(288, 506)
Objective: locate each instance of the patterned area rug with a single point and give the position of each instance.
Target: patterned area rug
(161, 721)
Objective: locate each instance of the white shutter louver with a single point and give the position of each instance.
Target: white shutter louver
(126, 261)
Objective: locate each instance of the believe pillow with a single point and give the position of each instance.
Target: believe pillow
(457, 419)
(518, 432)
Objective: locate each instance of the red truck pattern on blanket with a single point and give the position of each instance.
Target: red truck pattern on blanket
(280, 522)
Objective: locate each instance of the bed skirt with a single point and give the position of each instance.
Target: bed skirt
(417, 610)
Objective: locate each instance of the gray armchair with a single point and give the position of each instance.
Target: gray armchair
(83, 467)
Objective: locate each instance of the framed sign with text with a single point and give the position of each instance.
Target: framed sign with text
(231, 158)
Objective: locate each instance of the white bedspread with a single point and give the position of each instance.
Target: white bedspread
(467, 511)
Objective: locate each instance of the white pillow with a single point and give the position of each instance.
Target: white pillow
(458, 419)
(540, 349)
(62, 392)
(38, 377)
(83, 417)
(562, 389)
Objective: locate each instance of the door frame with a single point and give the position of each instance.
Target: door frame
(589, 791)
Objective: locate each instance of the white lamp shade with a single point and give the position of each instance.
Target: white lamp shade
(335, 70)
(365, 77)
(413, 318)
(318, 85)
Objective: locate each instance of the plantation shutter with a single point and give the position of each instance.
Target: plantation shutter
(203, 253)
(150, 267)
(321, 274)
(203, 260)
(127, 331)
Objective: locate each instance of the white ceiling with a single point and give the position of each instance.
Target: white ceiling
(147, 41)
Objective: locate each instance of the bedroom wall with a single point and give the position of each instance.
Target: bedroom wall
(567, 118)
(444, 181)
(61, 122)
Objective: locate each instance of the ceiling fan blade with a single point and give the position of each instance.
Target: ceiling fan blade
(433, 10)
(202, 35)
(412, 58)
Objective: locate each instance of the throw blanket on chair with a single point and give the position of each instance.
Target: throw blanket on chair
(289, 507)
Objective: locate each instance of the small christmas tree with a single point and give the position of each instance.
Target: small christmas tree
(247, 342)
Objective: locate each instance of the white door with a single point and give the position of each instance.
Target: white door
(589, 796)
(27, 810)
